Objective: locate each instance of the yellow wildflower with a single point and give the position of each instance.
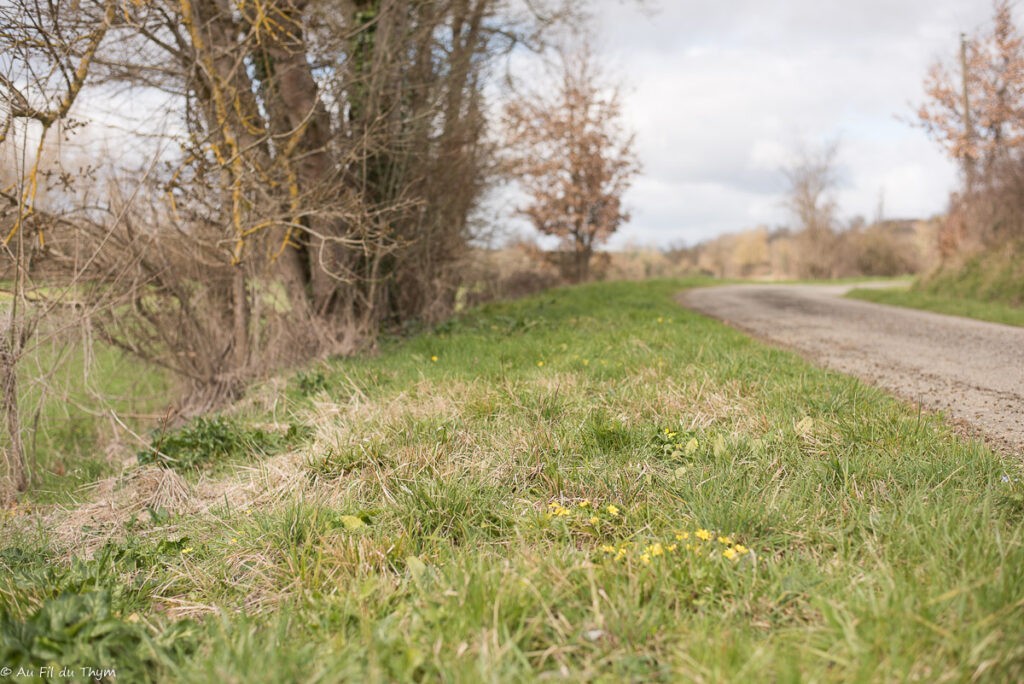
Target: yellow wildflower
(682, 536)
(586, 362)
(540, 364)
(612, 509)
(656, 550)
(729, 553)
(621, 554)
(645, 559)
(594, 520)
(434, 359)
(608, 548)
(725, 540)
(187, 549)
(703, 534)
(741, 549)
(584, 504)
(557, 509)
(671, 548)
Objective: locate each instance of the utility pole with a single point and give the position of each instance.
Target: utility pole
(968, 124)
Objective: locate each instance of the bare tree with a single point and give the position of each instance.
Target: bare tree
(573, 158)
(812, 180)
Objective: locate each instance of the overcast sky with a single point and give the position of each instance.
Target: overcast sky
(720, 93)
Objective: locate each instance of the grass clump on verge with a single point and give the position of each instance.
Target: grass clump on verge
(591, 484)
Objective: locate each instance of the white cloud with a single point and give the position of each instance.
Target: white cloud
(721, 94)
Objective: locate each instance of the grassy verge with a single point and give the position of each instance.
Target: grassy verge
(593, 484)
(994, 311)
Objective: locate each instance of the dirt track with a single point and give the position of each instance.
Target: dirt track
(971, 370)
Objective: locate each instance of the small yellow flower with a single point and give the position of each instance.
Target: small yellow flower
(233, 541)
(656, 550)
(187, 549)
(725, 540)
(682, 536)
(621, 554)
(660, 319)
(434, 359)
(608, 548)
(703, 534)
(540, 364)
(741, 549)
(671, 548)
(730, 554)
(557, 510)
(594, 520)
(612, 509)
(586, 362)
(645, 559)
(584, 504)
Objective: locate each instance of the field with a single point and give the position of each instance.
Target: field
(590, 484)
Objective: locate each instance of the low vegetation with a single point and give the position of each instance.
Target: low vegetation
(82, 403)
(988, 286)
(590, 483)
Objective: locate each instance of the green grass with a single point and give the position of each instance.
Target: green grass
(512, 496)
(994, 311)
(70, 394)
(988, 286)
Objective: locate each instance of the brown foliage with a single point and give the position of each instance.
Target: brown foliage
(992, 126)
(976, 112)
(573, 159)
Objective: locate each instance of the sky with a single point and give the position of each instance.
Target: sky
(722, 94)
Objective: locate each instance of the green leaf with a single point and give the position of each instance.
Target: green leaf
(351, 522)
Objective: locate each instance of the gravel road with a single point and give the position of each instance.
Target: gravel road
(971, 370)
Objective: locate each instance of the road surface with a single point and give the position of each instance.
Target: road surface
(971, 370)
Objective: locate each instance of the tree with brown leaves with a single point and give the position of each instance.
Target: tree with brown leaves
(976, 112)
(573, 158)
